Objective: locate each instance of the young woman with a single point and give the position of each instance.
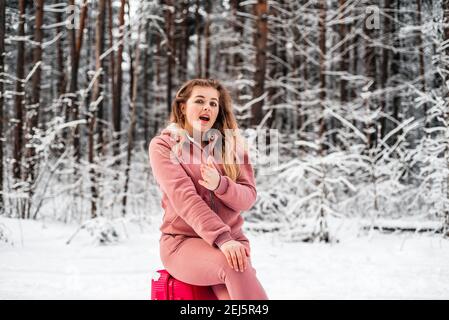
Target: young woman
(202, 242)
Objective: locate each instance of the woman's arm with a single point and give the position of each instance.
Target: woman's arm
(240, 195)
(182, 194)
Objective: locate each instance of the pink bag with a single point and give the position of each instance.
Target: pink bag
(165, 287)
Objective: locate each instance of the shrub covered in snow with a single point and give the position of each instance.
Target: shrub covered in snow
(102, 230)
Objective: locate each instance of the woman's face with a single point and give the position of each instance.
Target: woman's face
(201, 109)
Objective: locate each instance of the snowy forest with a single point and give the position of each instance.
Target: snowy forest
(356, 90)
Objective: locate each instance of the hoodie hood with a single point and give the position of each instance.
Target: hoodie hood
(175, 132)
(180, 135)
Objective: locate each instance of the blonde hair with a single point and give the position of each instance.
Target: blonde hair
(225, 121)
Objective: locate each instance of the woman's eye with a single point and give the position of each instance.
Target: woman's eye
(213, 104)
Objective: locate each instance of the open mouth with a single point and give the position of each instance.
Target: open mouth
(204, 118)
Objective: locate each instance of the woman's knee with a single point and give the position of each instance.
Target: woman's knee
(227, 271)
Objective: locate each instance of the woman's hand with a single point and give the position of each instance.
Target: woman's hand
(210, 175)
(236, 254)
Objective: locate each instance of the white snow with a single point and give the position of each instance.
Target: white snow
(39, 265)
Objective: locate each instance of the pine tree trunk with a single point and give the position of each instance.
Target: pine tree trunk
(61, 82)
(186, 38)
(75, 51)
(175, 42)
(96, 105)
(146, 103)
(238, 31)
(112, 77)
(305, 75)
(132, 126)
(99, 85)
(199, 59)
(272, 68)
(157, 98)
(118, 83)
(260, 44)
(354, 58)
(344, 56)
(179, 40)
(343, 67)
(397, 61)
(421, 58)
(235, 60)
(323, 52)
(323, 232)
(286, 115)
(19, 98)
(446, 56)
(2, 115)
(207, 39)
(169, 21)
(62, 79)
(33, 110)
(146, 86)
(130, 54)
(297, 64)
(385, 63)
(370, 73)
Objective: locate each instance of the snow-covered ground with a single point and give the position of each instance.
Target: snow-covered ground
(39, 265)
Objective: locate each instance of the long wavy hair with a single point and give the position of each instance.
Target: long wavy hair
(225, 121)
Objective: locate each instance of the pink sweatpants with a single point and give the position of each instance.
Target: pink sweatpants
(194, 261)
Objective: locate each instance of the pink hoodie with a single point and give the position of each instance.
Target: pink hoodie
(190, 208)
